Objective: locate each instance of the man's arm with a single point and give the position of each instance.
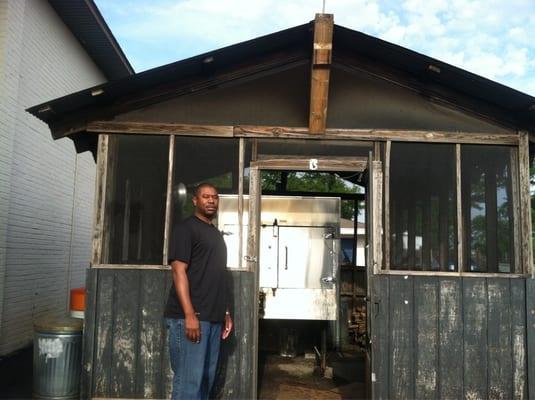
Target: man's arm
(180, 279)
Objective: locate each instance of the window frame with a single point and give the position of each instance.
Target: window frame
(521, 214)
(520, 140)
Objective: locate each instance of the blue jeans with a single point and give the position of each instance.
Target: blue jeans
(193, 364)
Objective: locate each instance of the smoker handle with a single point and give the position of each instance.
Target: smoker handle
(286, 257)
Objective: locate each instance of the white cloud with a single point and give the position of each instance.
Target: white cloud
(493, 38)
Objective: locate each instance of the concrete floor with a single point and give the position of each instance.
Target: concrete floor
(284, 378)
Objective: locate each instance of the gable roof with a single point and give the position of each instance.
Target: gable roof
(428, 76)
(86, 23)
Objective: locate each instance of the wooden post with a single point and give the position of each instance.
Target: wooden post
(168, 199)
(100, 198)
(241, 163)
(460, 221)
(319, 79)
(387, 205)
(525, 204)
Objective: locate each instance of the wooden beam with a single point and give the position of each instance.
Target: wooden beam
(321, 69)
(313, 163)
(131, 266)
(148, 128)
(259, 131)
(395, 135)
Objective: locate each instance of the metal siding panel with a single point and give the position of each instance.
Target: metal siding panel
(500, 363)
(426, 337)
(530, 307)
(518, 338)
(125, 334)
(104, 334)
(401, 344)
(475, 338)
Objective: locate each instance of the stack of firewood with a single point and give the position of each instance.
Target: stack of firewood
(358, 325)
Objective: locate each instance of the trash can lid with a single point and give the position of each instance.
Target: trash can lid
(58, 324)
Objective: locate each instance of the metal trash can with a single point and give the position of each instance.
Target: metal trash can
(57, 358)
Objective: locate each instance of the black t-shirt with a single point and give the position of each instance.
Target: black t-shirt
(201, 246)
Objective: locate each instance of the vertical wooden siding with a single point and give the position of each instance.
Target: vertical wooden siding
(125, 339)
(445, 338)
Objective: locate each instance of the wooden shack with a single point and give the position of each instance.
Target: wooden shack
(443, 156)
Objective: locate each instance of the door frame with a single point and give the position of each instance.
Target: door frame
(286, 163)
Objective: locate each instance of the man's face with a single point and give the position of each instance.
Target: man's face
(206, 202)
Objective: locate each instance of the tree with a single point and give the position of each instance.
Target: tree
(313, 182)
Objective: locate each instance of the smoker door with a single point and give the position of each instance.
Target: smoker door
(306, 257)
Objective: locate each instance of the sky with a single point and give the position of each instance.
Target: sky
(491, 38)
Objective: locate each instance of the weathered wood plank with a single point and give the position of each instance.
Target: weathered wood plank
(464, 274)
(168, 198)
(130, 266)
(148, 368)
(450, 326)
(519, 324)
(148, 128)
(458, 193)
(167, 373)
(89, 335)
(377, 221)
(426, 308)
(401, 338)
(475, 338)
(226, 385)
(500, 363)
(525, 204)
(319, 77)
(515, 204)
(237, 374)
(388, 149)
(379, 321)
(305, 164)
(125, 334)
(104, 325)
(241, 167)
(530, 328)
(247, 335)
(100, 197)
(376, 135)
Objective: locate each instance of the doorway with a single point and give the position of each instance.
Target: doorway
(306, 238)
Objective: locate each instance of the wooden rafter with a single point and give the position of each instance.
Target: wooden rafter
(321, 68)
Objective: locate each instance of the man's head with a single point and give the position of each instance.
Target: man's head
(206, 200)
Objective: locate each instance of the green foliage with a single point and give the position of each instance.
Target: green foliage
(312, 182)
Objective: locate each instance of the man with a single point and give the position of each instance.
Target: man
(196, 312)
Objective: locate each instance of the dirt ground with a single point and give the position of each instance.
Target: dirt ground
(284, 378)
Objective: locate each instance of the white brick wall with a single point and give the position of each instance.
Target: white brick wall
(46, 190)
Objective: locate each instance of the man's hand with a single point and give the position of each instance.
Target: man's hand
(228, 326)
(193, 328)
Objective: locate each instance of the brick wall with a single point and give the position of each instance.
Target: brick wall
(46, 190)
